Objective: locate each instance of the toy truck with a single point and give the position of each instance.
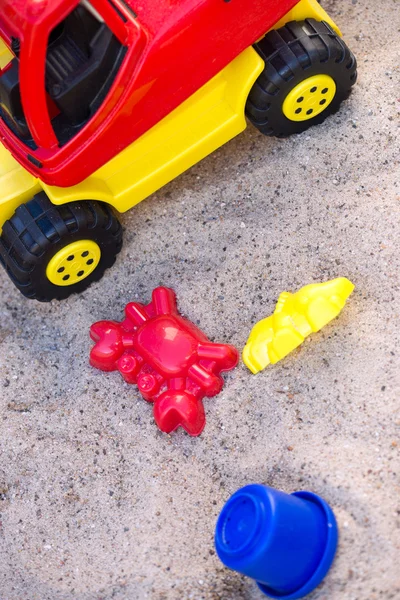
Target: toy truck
(102, 102)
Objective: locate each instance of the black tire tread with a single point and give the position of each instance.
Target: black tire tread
(39, 228)
(292, 53)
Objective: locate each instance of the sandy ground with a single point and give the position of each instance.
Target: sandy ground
(95, 502)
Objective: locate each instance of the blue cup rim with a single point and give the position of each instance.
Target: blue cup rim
(327, 557)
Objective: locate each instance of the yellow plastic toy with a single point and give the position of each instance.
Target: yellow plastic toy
(296, 316)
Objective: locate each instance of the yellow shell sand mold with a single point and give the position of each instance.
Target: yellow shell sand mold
(73, 263)
(296, 316)
(309, 98)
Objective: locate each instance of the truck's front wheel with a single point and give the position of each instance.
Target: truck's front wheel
(308, 72)
(51, 252)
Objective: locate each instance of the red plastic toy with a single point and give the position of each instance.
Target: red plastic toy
(103, 102)
(172, 362)
(171, 49)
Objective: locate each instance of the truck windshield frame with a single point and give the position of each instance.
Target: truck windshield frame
(40, 123)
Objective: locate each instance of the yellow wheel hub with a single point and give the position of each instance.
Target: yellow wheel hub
(309, 98)
(73, 263)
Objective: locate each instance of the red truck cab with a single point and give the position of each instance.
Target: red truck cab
(89, 79)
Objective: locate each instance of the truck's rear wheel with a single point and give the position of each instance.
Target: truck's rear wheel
(51, 252)
(308, 72)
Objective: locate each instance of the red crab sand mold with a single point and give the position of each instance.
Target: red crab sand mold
(172, 362)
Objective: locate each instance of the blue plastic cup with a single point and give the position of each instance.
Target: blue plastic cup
(286, 542)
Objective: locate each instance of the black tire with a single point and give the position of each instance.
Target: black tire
(295, 52)
(39, 229)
